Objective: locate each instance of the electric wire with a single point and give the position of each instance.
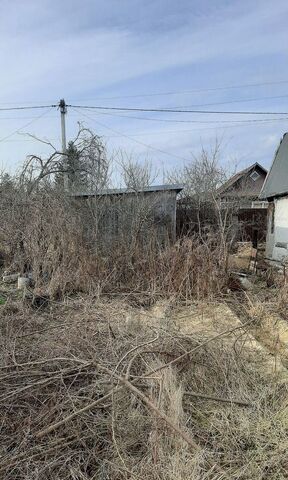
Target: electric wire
(227, 102)
(141, 109)
(171, 110)
(131, 138)
(27, 107)
(247, 121)
(239, 100)
(24, 126)
(179, 131)
(189, 92)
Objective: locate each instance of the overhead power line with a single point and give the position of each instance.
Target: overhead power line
(171, 110)
(179, 131)
(24, 126)
(173, 92)
(241, 100)
(151, 147)
(27, 107)
(227, 102)
(131, 138)
(199, 90)
(153, 110)
(156, 119)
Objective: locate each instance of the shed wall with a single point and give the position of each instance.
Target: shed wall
(277, 238)
(118, 218)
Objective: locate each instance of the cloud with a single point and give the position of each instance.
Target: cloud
(76, 60)
(52, 49)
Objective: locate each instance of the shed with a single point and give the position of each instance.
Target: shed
(275, 190)
(124, 214)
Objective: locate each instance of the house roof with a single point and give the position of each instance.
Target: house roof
(120, 191)
(276, 183)
(231, 181)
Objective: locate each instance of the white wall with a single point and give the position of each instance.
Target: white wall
(277, 242)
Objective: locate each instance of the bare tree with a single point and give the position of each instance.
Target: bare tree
(85, 163)
(202, 176)
(198, 210)
(94, 160)
(135, 174)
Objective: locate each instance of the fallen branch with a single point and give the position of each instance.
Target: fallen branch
(153, 407)
(138, 393)
(193, 350)
(75, 414)
(91, 405)
(42, 382)
(217, 399)
(190, 442)
(133, 350)
(24, 456)
(46, 360)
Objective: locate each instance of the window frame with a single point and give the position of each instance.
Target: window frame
(254, 173)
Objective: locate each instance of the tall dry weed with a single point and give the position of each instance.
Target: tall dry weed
(58, 242)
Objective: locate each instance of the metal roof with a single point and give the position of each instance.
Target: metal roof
(276, 183)
(121, 191)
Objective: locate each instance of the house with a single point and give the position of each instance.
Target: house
(240, 195)
(244, 187)
(275, 191)
(125, 215)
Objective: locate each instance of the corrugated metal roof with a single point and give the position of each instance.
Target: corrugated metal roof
(276, 183)
(121, 191)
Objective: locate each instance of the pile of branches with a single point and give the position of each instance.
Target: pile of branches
(95, 392)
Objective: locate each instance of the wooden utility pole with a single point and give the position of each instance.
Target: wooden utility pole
(63, 111)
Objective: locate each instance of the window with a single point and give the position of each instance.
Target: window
(254, 175)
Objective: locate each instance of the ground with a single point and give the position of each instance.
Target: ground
(218, 386)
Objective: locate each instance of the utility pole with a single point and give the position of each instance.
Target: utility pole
(63, 111)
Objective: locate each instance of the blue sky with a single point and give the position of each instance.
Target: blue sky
(122, 53)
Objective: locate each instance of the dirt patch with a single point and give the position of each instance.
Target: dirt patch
(210, 319)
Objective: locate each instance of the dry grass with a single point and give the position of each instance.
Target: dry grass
(56, 241)
(189, 269)
(69, 408)
(267, 308)
(89, 390)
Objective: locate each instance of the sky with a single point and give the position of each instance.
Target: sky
(192, 54)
